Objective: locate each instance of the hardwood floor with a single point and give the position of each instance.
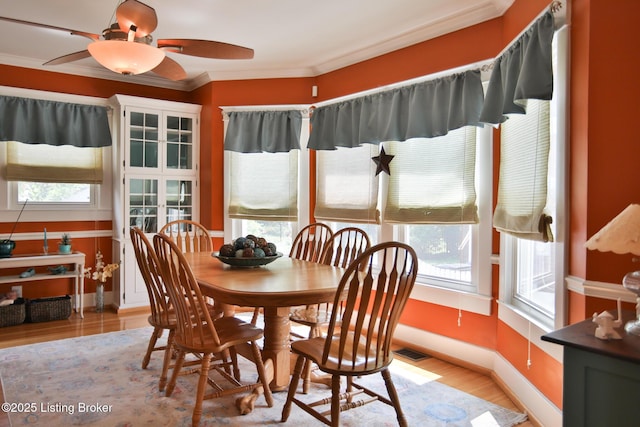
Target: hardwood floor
(476, 383)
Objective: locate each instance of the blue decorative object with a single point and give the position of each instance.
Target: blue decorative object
(28, 273)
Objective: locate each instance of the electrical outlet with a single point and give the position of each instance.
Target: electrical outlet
(18, 290)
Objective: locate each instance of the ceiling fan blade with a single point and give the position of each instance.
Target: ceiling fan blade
(170, 69)
(133, 12)
(76, 56)
(52, 27)
(206, 48)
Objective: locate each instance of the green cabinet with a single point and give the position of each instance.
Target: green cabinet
(601, 384)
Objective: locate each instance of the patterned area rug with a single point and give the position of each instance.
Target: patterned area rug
(97, 381)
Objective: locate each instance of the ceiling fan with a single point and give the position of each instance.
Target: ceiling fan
(125, 47)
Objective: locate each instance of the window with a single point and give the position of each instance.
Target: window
(532, 272)
(530, 265)
(264, 191)
(264, 185)
(435, 176)
(48, 192)
(53, 174)
(432, 198)
(82, 189)
(444, 254)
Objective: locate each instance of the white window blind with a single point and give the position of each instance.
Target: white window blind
(264, 186)
(49, 163)
(432, 180)
(346, 185)
(522, 187)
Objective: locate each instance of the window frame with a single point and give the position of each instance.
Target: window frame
(99, 209)
(435, 291)
(517, 314)
(234, 228)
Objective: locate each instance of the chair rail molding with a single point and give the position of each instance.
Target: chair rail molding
(592, 288)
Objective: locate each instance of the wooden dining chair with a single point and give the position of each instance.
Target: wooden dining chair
(308, 245)
(375, 288)
(188, 235)
(341, 249)
(310, 242)
(162, 317)
(206, 337)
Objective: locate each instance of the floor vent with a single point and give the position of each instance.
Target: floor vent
(411, 354)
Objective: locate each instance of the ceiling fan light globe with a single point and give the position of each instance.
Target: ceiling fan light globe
(126, 57)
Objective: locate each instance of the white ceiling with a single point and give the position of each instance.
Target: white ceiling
(291, 38)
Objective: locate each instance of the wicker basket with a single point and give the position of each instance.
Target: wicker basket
(12, 314)
(46, 309)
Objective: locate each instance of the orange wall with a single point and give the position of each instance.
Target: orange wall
(604, 152)
(449, 51)
(78, 85)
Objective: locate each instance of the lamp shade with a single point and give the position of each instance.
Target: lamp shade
(126, 57)
(621, 235)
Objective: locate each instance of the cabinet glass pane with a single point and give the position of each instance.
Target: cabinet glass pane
(186, 123)
(143, 140)
(173, 122)
(179, 199)
(137, 119)
(136, 153)
(173, 155)
(151, 154)
(143, 204)
(179, 143)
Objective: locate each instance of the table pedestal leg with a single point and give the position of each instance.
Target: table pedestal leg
(276, 345)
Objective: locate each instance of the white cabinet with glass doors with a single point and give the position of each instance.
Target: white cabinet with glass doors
(156, 178)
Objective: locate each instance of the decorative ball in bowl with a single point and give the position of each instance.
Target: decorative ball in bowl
(249, 251)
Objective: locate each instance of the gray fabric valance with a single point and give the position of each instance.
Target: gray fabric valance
(37, 121)
(523, 72)
(263, 131)
(427, 109)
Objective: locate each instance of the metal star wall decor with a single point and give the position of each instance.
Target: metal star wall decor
(382, 162)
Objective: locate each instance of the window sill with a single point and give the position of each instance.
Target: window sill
(70, 214)
(474, 303)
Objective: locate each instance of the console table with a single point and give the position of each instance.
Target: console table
(51, 259)
(601, 384)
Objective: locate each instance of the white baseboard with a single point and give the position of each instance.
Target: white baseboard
(535, 403)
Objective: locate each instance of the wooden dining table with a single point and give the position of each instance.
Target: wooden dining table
(276, 287)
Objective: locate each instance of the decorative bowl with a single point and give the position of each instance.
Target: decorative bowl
(247, 262)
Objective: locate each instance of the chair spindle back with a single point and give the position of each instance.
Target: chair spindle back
(189, 236)
(184, 294)
(149, 268)
(377, 286)
(345, 246)
(310, 242)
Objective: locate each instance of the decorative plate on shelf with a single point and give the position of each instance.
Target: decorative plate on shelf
(247, 262)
